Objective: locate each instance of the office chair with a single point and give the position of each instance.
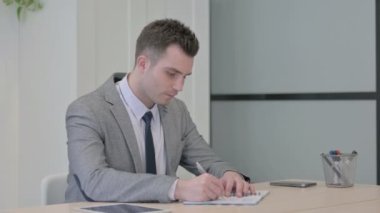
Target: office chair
(53, 189)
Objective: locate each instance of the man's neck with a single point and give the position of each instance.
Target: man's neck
(134, 83)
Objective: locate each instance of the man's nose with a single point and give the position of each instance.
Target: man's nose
(179, 83)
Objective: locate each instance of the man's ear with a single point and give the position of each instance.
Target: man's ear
(142, 63)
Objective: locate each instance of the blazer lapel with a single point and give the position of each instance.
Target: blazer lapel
(171, 139)
(122, 117)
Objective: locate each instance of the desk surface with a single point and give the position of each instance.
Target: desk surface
(317, 199)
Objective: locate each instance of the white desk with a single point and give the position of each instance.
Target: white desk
(318, 199)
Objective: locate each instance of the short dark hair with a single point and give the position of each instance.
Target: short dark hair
(159, 34)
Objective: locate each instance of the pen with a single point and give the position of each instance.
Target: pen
(337, 172)
(200, 168)
(335, 155)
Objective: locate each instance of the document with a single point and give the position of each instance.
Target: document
(247, 200)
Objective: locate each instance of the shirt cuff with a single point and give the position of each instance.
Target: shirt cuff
(172, 190)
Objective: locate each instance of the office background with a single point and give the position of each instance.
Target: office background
(290, 80)
(71, 47)
(61, 52)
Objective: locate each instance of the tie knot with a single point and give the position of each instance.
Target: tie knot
(147, 117)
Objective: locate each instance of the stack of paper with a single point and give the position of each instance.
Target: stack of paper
(247, 200)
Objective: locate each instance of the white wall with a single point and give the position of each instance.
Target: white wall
(38, 80)
(9, 35)
(47, 80)
(61, 52)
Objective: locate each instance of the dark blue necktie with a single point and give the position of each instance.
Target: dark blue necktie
(150, 160)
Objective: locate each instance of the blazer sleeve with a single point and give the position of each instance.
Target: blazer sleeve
(88, 164)
(197, 150)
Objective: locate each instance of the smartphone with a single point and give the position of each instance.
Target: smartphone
(300, 184)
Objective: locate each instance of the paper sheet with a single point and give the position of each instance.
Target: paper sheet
(247, 200)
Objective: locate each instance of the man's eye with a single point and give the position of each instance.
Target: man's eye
(172, 74)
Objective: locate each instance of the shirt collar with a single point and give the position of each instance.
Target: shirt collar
(137, 107)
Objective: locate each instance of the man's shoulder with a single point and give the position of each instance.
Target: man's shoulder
(89, 98)
(100, 96)
(88, 101)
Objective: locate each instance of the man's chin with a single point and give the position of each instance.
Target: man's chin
(164, 101)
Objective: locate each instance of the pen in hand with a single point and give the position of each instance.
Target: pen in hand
(200, 168)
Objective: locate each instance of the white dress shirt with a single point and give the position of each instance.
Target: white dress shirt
(136, 110)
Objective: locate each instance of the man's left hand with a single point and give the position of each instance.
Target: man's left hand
(233, 182)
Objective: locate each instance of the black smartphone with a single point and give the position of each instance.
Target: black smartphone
(300, 184)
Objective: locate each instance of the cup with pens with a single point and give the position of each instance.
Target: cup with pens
(339, 168)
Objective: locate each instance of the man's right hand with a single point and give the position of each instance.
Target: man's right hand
(201, 188)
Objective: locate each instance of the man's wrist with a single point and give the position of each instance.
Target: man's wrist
(172, 190)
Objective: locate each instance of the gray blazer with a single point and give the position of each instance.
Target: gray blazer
(104, 159)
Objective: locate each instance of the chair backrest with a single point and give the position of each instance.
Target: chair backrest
(53, 189)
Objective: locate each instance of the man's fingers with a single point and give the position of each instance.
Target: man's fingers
(247, 189)
(213, 187)
(239, 188)
(229, 185)
(252, 188)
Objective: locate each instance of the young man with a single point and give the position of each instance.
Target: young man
(127, 138)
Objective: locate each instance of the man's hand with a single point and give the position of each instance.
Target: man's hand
(233, 182)
(202, 188)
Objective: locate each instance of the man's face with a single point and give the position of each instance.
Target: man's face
(163, 80)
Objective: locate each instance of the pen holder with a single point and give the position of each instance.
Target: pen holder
(339, 170)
